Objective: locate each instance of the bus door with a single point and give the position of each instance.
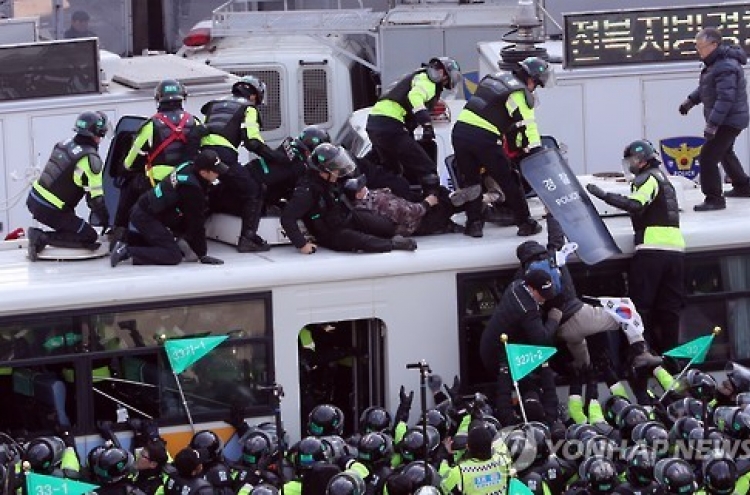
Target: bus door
(342, 363)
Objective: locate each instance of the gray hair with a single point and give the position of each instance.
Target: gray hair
(711, 35)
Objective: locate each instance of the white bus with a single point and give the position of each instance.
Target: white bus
(82, 342)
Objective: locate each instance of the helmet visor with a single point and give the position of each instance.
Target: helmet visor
(342, 164)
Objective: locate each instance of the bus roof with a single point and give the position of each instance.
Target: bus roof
(52, 286)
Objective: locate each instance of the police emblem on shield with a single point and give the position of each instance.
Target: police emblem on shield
(680, 155)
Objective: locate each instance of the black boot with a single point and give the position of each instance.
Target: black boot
(529, 227)
(250, 241)
(641, 357)
(401, 243)
(119, 253)
(37, 241)
(474, 228)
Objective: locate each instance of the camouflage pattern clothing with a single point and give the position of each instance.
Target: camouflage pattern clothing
(405, 214)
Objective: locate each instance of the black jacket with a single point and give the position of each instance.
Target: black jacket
(722, 88)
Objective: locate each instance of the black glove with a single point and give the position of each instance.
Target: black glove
(99, 216)
(428, 132)
(685, 106)
(105, 430)
(237, 419)
(709, 132)
(596, 191)
(404, 406)
(210, 260)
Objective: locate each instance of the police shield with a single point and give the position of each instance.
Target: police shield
(558, 188)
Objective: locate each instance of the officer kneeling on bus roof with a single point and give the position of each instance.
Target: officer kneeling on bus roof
(175, 206)
(319, 201)
(73, 169)
(656, 270)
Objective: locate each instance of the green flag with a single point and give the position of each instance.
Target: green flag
(523, 359)
(517, 487)
(184, 352)
(52, 485)
(695, 350)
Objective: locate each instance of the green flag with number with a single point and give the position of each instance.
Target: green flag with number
(184, 352)
(694, 350)
(523, 359)
(52, 485)
(518, 487)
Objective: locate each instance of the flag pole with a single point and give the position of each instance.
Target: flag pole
(714, 333)
(504, 340)
(184, 402)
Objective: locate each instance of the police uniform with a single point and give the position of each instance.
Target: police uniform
(477, 477)
(656, 276)
(502, 108)
(169, 138)
(73, 169)
(175, 205)
(403, 107)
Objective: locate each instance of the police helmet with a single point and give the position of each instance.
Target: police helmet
(257, 447)
(675, 476)
(719, 473)
(640, 460)
(112, 465)
(541, 436)
(374, 448)
(739, 377)
(700, 385)
(44, 454)
(91, 124)
(310, 451)
(681, 429)
(311, 136)
(452, 70)
(248, 86)
(439, 421)
(629, 417)
(599, 473)
(686, 407)
(421, 474)
(170, 90)
(374, 418)
(612, 407)
(331, 158)
(637, 152)
(537, 69)
(324, 420)
(650, 433)
(412, 445)
(428, 490)
(264, 489)
(699, 438)
(209, 444)
(346, 483)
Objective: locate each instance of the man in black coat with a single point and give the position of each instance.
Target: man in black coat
(723, 92)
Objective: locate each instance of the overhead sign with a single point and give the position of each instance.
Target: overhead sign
(658, 35)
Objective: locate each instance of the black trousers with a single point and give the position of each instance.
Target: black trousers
(397, 149)
(475, 149)
(160, 245)
(365, 231)
(70, 230)
(721, 149)
(130, 191)
(657, 288)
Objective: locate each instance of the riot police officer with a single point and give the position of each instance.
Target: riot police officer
(169, 138)
(402, 108)
(215, 470)
(73, 169)
(480, 473)
(500, 111)
(110, 468)
(185, 477)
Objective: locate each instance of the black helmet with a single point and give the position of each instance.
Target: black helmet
(439, 421)
(700, 385)
(112, 465)
(374, 448)
(311, 136)
(700, 438)
(310, 451)
(612, 407)
(330, 158)
(248, 86)
(733, 421)
(681, 429)
(631, 416)
(420, 476)
(599, 473)
(374, 418)
(451, 68)
(537, 69)
(346, 483)
(412, 445)
(44, 454)
(541, 436)
(738, 376)
(521, 450)
(675, 476)
(264, 489)
(324, 420)
(719, 473)
(209, 444)
(640, 460)
(687, 407)
(93, 454)
(169, 90)
(91, 124)
(637, 152)
(257, 447)
(650, 433)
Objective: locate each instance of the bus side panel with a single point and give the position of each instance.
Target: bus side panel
(411, 335)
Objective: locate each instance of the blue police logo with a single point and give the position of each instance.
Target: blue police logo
(470, 83)
(680, 155)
